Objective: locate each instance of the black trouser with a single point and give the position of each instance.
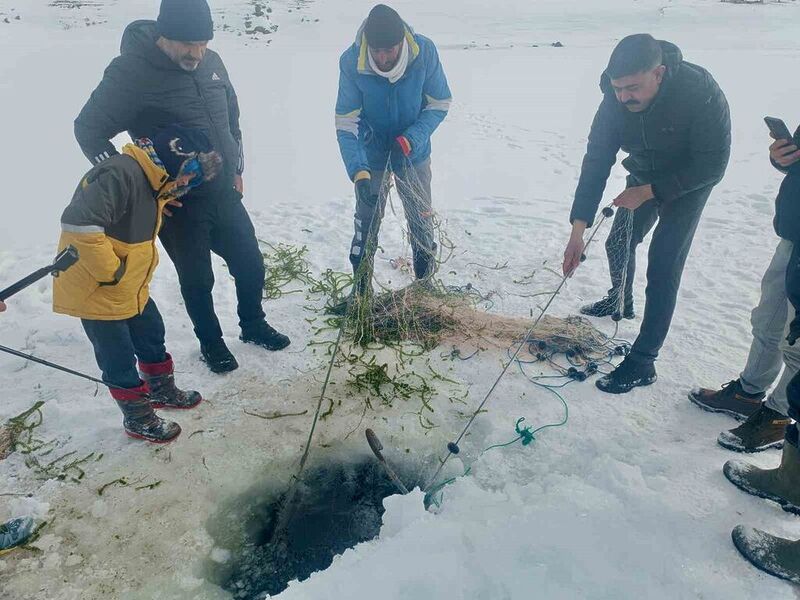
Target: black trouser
(414, 188)
(218, 224)
(672, 240)
(117, 344)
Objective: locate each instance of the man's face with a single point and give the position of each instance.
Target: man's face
(187, 55)
(386, 58)
(638, 91)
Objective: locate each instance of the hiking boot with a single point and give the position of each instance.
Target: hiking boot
(763, 430)
(164, 393)
(781, 485)
(140, 421)
(607, 307)
(628, 375)
(264, 335)
(217, 356)
(777, 556)
(730, 400)
(15, 533)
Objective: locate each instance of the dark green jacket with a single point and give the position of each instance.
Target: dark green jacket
(143, 89)
(680, 144)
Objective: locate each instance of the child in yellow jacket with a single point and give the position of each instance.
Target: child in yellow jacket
(113, 220)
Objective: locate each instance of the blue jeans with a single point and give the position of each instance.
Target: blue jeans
(117, 345)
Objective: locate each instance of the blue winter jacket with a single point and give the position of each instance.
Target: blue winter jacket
(371, 112)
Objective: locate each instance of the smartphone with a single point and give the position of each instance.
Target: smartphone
(778, 128)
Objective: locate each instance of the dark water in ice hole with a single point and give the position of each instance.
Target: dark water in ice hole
(337, 506)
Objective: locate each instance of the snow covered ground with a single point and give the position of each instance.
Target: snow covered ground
(627, 501)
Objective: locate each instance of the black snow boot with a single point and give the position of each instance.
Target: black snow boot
(140, 420)
(773, 555)
(160, 378)
(607, 307)
(217, 356)
(764, 429)
(628, 375)
(781, 485)
(262, 334)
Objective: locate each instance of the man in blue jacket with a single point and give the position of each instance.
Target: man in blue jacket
(392, 96)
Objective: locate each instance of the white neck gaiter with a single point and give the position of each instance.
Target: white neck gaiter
(398, 70)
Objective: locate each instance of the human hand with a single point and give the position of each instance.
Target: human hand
(633, 197)
(402, 145)
(573, 253)
(784, 152)
(238, 184)
(175, 203)
(2, 306)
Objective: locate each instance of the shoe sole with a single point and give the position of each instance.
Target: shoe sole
(782, 502)
(733, 446)
(741, 417)
(625, 391)
(138, 436)
(160, 406)
(234, 366)
(270, 348)
(628, 317)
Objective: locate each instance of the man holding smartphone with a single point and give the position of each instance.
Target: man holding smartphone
(743, 398)
(672, 119)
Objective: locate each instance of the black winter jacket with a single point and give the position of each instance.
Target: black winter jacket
(143, 90)
(679, 145)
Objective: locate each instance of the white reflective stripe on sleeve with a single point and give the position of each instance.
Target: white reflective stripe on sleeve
(240, 168)
(81, 228)
(355, 250)
(434, 104)
(349, 122)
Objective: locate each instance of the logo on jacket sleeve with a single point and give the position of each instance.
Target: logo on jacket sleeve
(215, 77)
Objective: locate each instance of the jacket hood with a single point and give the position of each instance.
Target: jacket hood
(139, 39)
(156, 175)
(362, 65)
(672, 59)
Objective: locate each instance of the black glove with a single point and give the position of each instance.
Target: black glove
(364, 193)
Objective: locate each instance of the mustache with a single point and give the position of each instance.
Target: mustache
(631, 103)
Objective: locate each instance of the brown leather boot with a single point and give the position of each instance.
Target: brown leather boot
(764, 429)
(730, 400)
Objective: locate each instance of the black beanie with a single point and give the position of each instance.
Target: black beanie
(384, 27)
(185, 21)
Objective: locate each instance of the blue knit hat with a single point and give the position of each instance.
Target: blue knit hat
(185, 21)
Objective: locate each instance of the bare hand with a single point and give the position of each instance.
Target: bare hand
(572, 255)
(2, 306)
(784, 152)
(238, 184)
(175, 203)
(634, 197)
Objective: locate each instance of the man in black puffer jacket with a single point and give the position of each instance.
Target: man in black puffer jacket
(673, 121)
(165, 74)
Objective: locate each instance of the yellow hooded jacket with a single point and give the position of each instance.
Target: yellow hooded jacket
(113, 220)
